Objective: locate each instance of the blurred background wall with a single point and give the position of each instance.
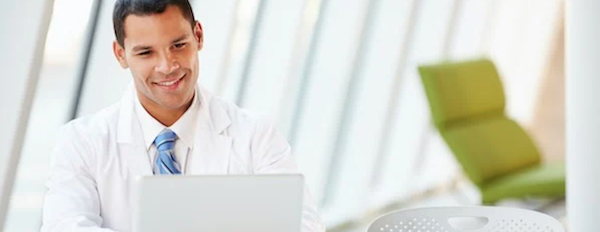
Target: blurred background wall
(338, 77)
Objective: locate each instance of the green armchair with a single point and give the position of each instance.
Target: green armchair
(467, 104)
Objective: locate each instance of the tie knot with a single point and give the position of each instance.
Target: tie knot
(164, 140)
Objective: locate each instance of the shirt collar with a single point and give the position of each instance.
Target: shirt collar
(184, 127)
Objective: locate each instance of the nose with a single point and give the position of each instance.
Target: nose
(167, 64)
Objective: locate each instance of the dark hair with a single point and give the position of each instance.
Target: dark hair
(124, 8)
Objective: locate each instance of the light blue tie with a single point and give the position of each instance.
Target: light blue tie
(166, 162)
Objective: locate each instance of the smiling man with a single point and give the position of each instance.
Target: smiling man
(165, 124)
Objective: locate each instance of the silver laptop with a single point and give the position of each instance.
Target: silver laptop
(227, 203)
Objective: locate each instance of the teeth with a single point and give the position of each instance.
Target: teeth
(168, 83)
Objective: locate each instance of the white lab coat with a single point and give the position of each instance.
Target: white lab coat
(98, 156)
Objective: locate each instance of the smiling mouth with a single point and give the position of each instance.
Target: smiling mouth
(170, 85)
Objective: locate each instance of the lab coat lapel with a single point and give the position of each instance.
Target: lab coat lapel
(212, 147)
(129, 137)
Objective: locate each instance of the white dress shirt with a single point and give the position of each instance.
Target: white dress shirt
(183, 128)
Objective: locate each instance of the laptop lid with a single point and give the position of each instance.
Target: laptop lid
(225, 203)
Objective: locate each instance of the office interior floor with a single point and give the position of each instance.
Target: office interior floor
(464, 194)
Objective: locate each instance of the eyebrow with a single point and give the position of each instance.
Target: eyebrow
(141, 47)
(180, 38)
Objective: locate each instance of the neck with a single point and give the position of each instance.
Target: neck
(167, 117)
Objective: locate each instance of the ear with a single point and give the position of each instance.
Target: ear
(199, 35)
(119, 52)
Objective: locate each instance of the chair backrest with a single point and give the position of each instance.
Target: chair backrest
(461, 219)
(459, 91)
(467, 104)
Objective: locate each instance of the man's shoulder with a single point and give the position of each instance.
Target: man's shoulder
(241, 118)
(98, 123)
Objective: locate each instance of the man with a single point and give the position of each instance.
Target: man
(164, 125)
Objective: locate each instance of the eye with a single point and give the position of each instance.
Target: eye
(145, 53)
(179, 45)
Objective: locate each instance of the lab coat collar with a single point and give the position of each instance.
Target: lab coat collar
(212, 147)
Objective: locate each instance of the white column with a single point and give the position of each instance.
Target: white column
(583, 114)
(24, 25)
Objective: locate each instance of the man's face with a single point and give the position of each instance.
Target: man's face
(161, 52)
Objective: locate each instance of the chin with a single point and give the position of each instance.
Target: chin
(176, 103)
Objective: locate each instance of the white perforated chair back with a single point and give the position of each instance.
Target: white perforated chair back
(460, 219)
